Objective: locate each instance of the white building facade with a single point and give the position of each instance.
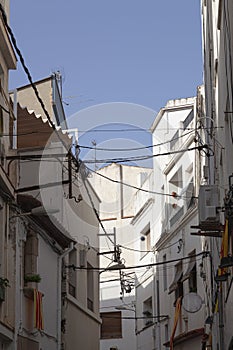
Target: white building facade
(170, 293)
(217, 26)
(117, 287)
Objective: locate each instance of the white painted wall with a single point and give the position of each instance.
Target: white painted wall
(116, 211)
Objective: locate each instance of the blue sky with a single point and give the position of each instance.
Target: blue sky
(130, 51)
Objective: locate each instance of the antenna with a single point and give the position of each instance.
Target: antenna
(94, 144)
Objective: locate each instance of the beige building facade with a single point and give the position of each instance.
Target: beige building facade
(7, 195)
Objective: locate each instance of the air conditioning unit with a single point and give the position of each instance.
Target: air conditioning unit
(208, 203)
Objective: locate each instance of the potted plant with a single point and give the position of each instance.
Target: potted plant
(32, 278)
(4, 282)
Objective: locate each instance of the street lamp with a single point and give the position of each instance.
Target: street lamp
(123, 307)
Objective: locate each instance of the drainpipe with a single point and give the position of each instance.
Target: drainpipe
(14, 143)
(221, 322)
(18, 291)
(156, 298)
(59, 281)
(158, 312)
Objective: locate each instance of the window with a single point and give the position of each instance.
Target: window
(72, 273)
(1, 121)
(148, 312)
(90, 287)
(177, 284)
(175, 185)
(30, 254)
(145, 240)
(191, 273)
(164, 272)
(111, 326)
(189, 195)
(1, 100)
(166, 335)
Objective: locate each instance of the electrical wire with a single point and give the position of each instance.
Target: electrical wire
(26, 70)
(134, 318)
(132, 129)
(5, 110)
(203, 253)
(137, 158)
(135, 148)
(95, 211)
(135, 187)
(145, 147)
(56, 131)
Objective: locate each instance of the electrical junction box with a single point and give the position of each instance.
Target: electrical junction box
(208, 203)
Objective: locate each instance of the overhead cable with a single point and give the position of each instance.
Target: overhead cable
(135, 187)
(203, 253)
(26, 70)
(137, 158)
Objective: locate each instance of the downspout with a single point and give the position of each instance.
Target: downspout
(158, 312)
(156, 306)
(59, 282)
(18, 289)
(14, 138)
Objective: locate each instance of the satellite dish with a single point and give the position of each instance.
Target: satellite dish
(192, 302)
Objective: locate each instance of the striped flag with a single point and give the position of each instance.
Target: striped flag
(38, 310)
(223, 253)
(224, 248)
(177, 313)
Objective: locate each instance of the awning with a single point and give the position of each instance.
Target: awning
(177, 278)
(186, 336)
(191, 265)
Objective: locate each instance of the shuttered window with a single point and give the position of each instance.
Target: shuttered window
(111, 325)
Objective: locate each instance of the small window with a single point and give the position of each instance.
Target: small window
(72, 273)
(166, 334)
(177, 284)
(145, 240)
(90, 287)
(1, 121)
(30, 254)
(148, 312)
(191, 273)
(111, 326)
(177, 277)
(164, 272)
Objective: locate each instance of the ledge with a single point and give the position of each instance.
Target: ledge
(186, 336)
(29, 292)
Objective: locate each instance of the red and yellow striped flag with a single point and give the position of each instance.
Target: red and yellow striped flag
(224, 248)
(177, 313)
(38, 310)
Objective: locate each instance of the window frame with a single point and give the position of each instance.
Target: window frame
(115, 319)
